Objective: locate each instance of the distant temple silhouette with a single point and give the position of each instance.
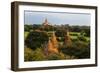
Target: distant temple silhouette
(46, 23)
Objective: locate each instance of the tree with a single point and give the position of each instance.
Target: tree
(28, 27)
(87, 31)
(36, 39)
(60, 33)
(78, 49)
(82, 36)
(36, 26)
(75, 29)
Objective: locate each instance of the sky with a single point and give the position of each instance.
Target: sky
(58, 18)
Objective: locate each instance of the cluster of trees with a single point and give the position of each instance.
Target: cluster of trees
(85, 29)
(38, 36)
(38, 55)
(78, 49)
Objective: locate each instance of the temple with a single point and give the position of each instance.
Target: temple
(52, 45)
(67, 41)
(45, 23)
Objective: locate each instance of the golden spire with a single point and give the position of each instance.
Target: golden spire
(54, 40)
(50, 45)
(51, 48)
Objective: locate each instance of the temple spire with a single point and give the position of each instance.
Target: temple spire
(68, 41)
(45, 23)
(54, 40)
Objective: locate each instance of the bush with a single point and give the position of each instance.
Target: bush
(82, 38)
(28, 54)
(55, 56)
(74, 40)
(75, 34)
(78, 49)
(36, 55)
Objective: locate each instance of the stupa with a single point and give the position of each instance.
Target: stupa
(67, 41)
(52, 45)
(45, 23)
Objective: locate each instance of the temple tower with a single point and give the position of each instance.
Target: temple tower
(68, 41)
(54, 40)
(45, 23)
(52, 45)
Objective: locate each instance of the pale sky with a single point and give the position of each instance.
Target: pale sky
(36, 17)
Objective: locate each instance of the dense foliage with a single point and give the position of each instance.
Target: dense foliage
(35, 39)
(37, 35)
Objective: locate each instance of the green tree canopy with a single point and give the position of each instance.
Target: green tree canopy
(35, 39)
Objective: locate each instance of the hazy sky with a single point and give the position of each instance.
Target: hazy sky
(33, 17)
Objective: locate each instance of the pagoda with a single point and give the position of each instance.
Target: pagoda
(45, 23)
(52, 45)
(54, 40)
(68, 41)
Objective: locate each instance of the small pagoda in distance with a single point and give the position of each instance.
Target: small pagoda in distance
(45, 23)
(67, 40)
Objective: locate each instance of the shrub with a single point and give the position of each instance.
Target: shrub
(75, 34)
(82, 38)
(78, 49)
(36, 55)
(55, 56)
(28, 54)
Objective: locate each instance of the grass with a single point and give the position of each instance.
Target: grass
(87, 38)
(73, 37)
(74, 33)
